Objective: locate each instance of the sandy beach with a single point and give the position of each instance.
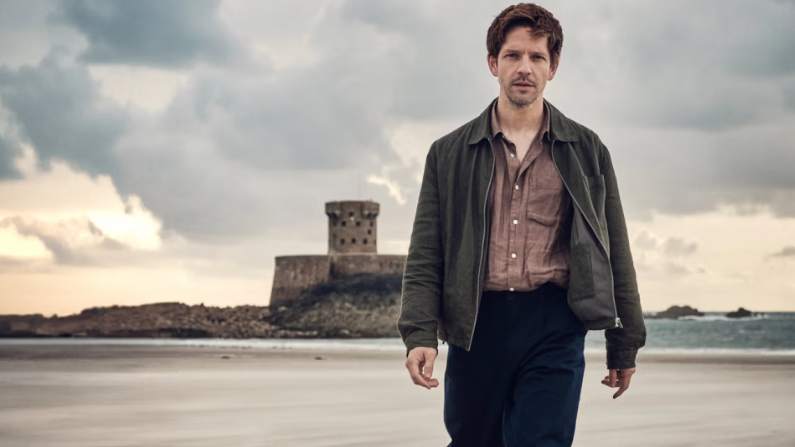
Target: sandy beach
(193, 396)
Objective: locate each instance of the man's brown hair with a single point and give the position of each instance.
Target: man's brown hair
(526, 14)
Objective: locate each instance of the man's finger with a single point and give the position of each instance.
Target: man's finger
(624, 386)
(413, 365)
(613, 377)
(430, 358)
(625, 379)
(619, 392)
(628, 379)
(428, 370)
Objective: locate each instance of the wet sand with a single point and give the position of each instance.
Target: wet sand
(192, 396)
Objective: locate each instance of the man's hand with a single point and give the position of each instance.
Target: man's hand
(620, 378)
(420, 366)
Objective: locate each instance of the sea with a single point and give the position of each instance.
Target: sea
(770, 334)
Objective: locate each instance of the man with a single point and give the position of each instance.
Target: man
(519, 247)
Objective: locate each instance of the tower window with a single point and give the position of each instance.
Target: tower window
(350, 214)
(364, 241)
(353, 241)
(369, 231)
(371, 223)
(358, 223)
(342, 241)
(343, 223)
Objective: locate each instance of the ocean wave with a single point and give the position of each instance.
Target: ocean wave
(724, 318)
(373, 344)
(710, 351)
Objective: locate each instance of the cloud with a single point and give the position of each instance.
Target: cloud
(69, 218)
(71, 242)
(679, 65)
(663, 257)
(243, 150)
(786, 252)
(175, 34)
(675, 269)
(670, 246)
(688, 172)
(215, 162)
(9, 152)
(233, 144)
(678, 247)
(62, 113)
(434, 62)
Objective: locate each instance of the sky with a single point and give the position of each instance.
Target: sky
(168, 151)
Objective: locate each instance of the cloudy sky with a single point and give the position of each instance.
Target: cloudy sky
(167, 151)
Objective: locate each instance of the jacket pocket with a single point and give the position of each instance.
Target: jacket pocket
(581, 284)
(596, 188)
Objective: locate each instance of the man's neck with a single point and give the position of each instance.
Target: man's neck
(519, 120)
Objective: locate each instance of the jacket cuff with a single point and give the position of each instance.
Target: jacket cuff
(411, 344)
(621, 359)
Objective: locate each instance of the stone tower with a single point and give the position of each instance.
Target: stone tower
(352, 226)
(352, 250)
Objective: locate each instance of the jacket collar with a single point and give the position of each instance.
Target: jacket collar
(560, 128)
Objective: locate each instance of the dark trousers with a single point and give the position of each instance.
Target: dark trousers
(519, 385)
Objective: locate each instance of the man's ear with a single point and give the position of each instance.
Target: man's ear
(552, 71)
(492, 61)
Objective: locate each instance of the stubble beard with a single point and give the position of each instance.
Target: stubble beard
(517, 102)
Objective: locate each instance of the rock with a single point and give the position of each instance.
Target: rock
(743, 313)
(675, 312)
(364, 305)
(158, 320)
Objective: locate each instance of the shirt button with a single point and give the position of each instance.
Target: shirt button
(513, 255)
(515, 186)
(515, 221)
(511, 289)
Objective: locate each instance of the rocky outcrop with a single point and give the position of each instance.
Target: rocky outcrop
(363, 305)
(150, 320)
(743, 313)
(675, 312)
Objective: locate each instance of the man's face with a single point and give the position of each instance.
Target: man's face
(523, 66)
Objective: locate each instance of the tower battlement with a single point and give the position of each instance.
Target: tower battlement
(352, 226)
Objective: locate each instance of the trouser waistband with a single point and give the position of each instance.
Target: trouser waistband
(549, 289)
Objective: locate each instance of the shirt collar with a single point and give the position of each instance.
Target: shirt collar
(495, 124)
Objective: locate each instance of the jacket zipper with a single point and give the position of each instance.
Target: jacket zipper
(483, 242)
(552, 151)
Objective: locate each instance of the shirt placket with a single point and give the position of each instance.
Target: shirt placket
(518, 170)
(514, 235)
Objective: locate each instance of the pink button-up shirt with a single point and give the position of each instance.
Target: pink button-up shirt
(530, 212)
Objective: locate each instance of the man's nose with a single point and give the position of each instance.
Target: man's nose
(525, 66)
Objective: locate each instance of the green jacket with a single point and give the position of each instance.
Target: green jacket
(445, 266)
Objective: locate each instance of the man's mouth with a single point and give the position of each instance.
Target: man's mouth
(523, 84)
